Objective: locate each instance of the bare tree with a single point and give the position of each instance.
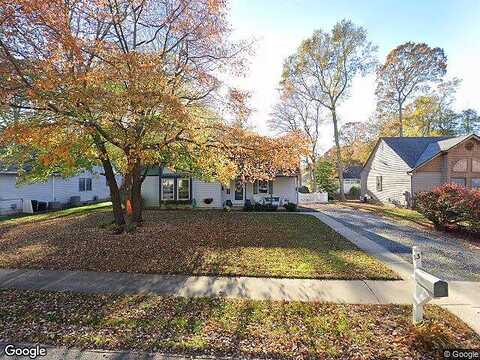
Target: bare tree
(408, 70)
(323, 68)
(296, 113)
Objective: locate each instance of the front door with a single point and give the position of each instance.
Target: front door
(238, 192)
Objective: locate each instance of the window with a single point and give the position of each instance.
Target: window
(460, 166)
(183, 189)
(459, 181)
(476, 183)
(84, 184)
(263, 187)
(379, 183)
(167, 189)
(475, 165)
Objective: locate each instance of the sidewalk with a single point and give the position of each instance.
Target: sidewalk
(337, 291)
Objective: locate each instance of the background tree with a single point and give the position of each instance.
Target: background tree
(409, 69)
(468, 122)
(326, 177)
(323, 68)
(296, 113)
(357, 140)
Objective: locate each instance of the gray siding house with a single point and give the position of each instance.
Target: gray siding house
(400, 167)
(87, 186)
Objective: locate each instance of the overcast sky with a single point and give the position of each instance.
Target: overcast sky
(279, 27)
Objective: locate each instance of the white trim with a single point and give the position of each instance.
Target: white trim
(178, 188)
(161, 189)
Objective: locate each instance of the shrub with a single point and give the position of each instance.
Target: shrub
(248, 206)
(450, 204)
(264, 207)
(290, 206)
(326, 179)
(354, 192)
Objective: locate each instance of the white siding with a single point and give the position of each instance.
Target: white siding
(150, 190)
(205, 190)
(396, 182)
(426, 181)
(55, 188)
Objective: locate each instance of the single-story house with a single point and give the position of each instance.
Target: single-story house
(162, 186)
(400, 167)
(351, 177)
(86, 186)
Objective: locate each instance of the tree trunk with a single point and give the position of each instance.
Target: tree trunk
(311, 169)
(400, 116)
(114, 193)
(338, 153)
(133, 192)
(111, 181)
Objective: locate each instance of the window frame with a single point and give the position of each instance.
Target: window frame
(178, 188)
(459, 178)
(162, 195)
(88, 184)
(81, 185)
(379, 184)
(476, 187)
(263, 187)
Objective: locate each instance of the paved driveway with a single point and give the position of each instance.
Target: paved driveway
(445, 257)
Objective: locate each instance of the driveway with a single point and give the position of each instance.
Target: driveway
(446, 257)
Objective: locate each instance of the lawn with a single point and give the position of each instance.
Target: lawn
(190, 242)
(238, 328)
(396, 213)
(23, 219)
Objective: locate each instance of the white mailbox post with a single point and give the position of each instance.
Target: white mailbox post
(427, 286)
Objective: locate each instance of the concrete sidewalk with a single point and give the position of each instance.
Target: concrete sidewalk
(336, 291)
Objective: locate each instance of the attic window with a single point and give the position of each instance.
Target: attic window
(469, 146)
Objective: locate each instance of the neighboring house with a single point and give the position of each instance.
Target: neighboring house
(399, 167)
(351, 177)
(86, 186)
(162, 186)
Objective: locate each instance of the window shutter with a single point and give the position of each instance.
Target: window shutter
(270, 186)
(255, 187)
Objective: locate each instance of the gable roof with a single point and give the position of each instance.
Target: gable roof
(410, 149)
(416, 151)
(352, 172)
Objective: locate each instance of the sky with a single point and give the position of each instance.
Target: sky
(279, 26)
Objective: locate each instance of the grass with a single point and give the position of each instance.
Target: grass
(190, 242)
(23, 219)
(226, 327)
(396, 213)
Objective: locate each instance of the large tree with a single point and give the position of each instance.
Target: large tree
(409, 69)
(134, 81)
(324, 67)
(296, 113)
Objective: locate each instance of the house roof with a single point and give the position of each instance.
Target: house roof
(410, 149)
(416, 151)
(352, 172)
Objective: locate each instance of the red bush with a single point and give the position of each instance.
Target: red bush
(450, 204)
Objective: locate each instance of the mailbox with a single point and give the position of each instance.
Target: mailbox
(436, 287)
(427, 286)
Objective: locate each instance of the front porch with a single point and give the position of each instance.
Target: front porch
(283, 189)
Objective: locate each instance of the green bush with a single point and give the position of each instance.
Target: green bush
(326, 179)
(354, 192)
(264, 207)
(248, 206)
(290, 207)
